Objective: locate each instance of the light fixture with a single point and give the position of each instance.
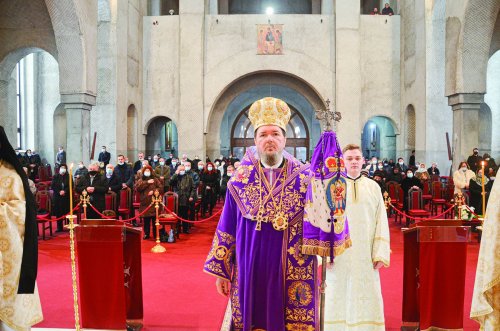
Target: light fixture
(269, 11)
(171, 11)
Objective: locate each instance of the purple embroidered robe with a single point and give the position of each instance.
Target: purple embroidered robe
(273, 285)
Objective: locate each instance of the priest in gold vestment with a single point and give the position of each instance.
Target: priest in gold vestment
(19, 304)
(353, 293)
(486, 298)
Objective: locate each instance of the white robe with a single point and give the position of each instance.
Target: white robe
(17, 311)
(486, 298)
(353, 294)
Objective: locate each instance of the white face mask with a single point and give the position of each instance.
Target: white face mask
(188, 168)
(109, 171)
(381, 167)
(80, 166)
(147, 173)
(62, 171)
(209, 168)
(464, 169)
(182, 173)
(162, 163)
(200, 167)
(401, 162)
(409, 175)
(492, 178)
(230, 174)
(120, 163)
(174, 163)
(104, 149)
(156, 159)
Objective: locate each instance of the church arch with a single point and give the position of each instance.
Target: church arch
(161, 136)
(378, 138)
(491, 108)
(242, 92)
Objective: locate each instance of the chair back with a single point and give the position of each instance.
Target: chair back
(49, 170)
(392, 189)
(43, 201)
(137, 197)
(415, 200)
(43, 174)
(42, 186)
(436, 190)
(427, 187)
(125, 198)
(110, 200)
(400, 193)
(171, 201)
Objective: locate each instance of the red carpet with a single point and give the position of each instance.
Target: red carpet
(178, 295)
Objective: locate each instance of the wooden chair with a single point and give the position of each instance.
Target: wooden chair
(399, 203)
(44, 211)
(42, 186)
(110, 201)
(437, 197)
(136, 201)
(416, 205)
(426, 194)
(171, 201)
(125, 203)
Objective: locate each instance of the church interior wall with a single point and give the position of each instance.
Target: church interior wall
(413, 78)
(438, 114)
(492, 99)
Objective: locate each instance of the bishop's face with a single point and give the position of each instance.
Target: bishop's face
(270, 141)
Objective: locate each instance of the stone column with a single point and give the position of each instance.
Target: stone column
(326, 7)
(154, 7)
(78, 143)
(465, 136)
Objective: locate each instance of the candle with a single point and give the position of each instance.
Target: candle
(71, 189)
(482, 188)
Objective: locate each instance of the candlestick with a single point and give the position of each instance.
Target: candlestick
(71, 189)
(156, 199)
(483, 193)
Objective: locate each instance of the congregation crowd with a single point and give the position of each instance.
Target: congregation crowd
(198, 184)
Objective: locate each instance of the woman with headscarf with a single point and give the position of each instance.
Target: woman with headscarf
(407, 183)
(209, 179)
(462, 177)
(146, 184)
(20, 306)
(476, 190)
(422, 174)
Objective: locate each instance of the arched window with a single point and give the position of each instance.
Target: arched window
(297, 135)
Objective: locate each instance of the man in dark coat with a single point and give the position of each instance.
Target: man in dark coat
(104, 156)
(474, 160)
(32, 162)
(60, 187)
(60, 158)
(95, 185)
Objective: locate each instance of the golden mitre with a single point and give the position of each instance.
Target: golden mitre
(269, 111)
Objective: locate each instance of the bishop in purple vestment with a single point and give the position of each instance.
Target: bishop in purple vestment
(256, 251)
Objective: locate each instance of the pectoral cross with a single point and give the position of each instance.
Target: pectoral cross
(328, 116)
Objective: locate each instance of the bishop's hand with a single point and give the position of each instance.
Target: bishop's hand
(222, 286)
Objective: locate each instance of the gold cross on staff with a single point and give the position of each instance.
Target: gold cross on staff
(328, 116)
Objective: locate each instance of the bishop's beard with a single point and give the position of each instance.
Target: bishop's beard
(271, 159)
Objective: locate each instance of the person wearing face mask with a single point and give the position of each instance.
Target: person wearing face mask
(60, 187)
(225, 178)
(490, 165)
(196, 181)
(422, 173)
(162, 171)
(169, 160)
(462, 177)
(476, 191)
(200, 167)
(112, 180)
(372, 166)
(208, 178)
(104, 156)
(183, 185)
(379, 177)
(155, 162)
(146, 185)
(173, 166)
(95, 185)
(411, 161)
(474, 160)
(80, 171)
(406, 184)
(401, 165)
(32, 162)
(60, 158)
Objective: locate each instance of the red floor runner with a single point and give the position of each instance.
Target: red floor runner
(178, 295)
